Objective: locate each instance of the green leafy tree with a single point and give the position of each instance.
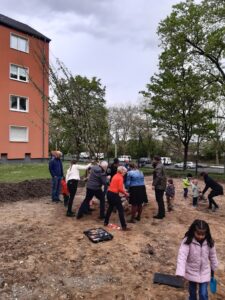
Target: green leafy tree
(80, 110)
(177, 105)
(201, 29)
(182, 95)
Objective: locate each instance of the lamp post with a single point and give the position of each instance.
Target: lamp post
(116, 140)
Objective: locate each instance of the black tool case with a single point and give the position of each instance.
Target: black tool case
(97, 235)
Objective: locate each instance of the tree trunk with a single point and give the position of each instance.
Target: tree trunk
(217, 157)
(185, 156)
(197, 158)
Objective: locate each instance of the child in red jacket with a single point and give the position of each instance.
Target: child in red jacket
(65, 191)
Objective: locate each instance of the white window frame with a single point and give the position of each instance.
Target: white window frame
(19, 67)
(18, 109)
(19, 37)
(17, 141)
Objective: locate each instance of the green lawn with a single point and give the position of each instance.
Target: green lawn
(21, 172)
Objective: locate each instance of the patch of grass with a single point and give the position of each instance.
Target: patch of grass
(181, 174)
(28, 171)
(21, 172)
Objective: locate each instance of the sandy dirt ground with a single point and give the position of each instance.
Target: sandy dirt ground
(44, 254)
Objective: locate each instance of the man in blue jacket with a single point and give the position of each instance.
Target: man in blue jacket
(56, 171)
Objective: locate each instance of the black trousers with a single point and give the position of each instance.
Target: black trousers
(195, 201)
(99, 194)
(159, 198)
(114, 200)
(72, 187)
(211, 200)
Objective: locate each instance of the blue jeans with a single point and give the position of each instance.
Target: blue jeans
(203, 290)
(185, 192)
(56, 187)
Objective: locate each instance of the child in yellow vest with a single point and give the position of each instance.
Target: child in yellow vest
(186, 184)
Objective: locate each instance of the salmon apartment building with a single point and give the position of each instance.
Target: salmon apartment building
(24, 88)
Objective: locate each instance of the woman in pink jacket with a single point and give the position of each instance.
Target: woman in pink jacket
(197, 259)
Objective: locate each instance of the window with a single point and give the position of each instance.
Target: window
(19, 43)
(18, 103)
(18, 73)
(18, 134)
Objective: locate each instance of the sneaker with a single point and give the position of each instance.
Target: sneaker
(158, 217)
(138, 218)
(126, 229)
(215, 208)
(101, 218)
(70, 214)
(79, 216)
(131, 221)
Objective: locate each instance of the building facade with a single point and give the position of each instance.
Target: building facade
(24, 89)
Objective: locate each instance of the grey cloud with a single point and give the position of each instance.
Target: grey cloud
(114, 40)
(112, 20)
(84, 7)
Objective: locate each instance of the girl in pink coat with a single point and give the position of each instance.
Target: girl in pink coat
(197, 259)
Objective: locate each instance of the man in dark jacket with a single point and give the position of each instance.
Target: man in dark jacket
(96, 180)
(216, 190)
(112, 170)
(56, 171)
(159, 185)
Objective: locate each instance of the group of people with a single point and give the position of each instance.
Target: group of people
(197, 194)
(197, 258)
(100, 175)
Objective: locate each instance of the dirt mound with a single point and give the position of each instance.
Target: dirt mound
(25, 190)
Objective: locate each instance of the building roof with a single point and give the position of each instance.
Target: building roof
(8, 22)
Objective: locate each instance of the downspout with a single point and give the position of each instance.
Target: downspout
(43, 100)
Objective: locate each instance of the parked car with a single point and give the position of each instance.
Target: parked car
(123, 158)
(189, 165)
(84, 155)
(166, 160)
(143, 161)
(201, 165)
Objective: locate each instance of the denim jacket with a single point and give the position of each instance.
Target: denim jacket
(134, 178)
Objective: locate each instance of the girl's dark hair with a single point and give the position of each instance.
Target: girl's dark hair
(201, 225)
(170, 181)
(73, 162)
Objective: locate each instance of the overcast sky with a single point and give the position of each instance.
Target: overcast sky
(114, 40)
